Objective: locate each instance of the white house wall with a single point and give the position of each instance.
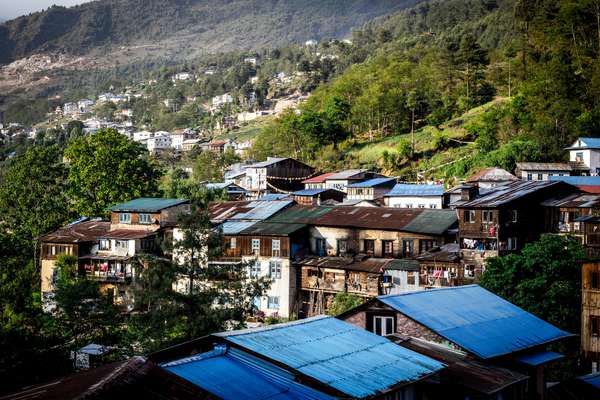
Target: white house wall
(414, 201)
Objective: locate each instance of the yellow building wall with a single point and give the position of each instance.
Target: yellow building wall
(47, 272)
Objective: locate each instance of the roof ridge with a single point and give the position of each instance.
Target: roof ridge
(431, 290)
(247, 331)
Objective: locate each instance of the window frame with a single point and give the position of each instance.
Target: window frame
(272, 304)
(255, 246)
(255, 269)
(145, 218)
(275, 267)
(276, 250)
(123, 220)
(469, 216)
(371, 243)
(383, 324)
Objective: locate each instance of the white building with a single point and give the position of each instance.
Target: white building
(142, 135)
(70, 108)
(84, 105)
(158, 143)
(586, 151)
(405, 195)
(182, 76)
(538, 171)
(341, 180)
(370, 189)
(250, 60)
(219, 101)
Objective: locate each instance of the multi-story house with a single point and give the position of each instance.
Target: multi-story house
(317, 182)
(491, 177)
(538, 171)
(158, 143)
(406, 195)
(505, 218)
(586, 151)
(275, 175)
(590, 314)
(370, 189)
(107, 250)
(70, 109)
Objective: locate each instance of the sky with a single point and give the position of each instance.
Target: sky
(10, 9)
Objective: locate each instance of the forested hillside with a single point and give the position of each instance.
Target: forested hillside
(429, 65)
(186, 25)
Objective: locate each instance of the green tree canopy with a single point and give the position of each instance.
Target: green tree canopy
(107, 168)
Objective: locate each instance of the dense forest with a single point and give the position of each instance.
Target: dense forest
(186, 25)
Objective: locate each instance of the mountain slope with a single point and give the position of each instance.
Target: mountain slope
(183, 24)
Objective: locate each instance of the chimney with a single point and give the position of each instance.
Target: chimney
(468, 192)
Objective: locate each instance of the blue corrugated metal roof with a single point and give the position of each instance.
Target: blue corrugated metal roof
(578, 180)
(235, 227)
(475, 319)
(586, 143)
(261, 210)
(591, 379)
(233, 374)
(352, 360)
(372, 182)
(147, 204)
(539, 358)
(272, 196)
(407, 189)
(309, 192)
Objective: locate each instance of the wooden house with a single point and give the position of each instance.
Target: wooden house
(590, 314)
(314, 197)
(371, 189)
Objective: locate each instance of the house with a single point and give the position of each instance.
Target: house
(182, 76)
(442, 266)
(179, 137)
(106, 250)
(218, 146)
(142, 136)
(250, 60)
(221, 100)
(537, 171)
(589, 184)
(370, 189)
(323, 353)
(341, 180)
(571, 210)
(189, 144)
(491, 177)
(407, 195)
(233, 191)
(314, 197)
(590, 314)
(158, 143)
(70, 109)
(316, 182)
(586, 152)
(275, 175)
(471, 320)
(84, 105)
(505, 218)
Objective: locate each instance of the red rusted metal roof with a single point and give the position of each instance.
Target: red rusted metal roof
(128, 234)
(319, 178)
(78, 232)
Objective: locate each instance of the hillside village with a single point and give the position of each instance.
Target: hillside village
(392, 200)
(317, 235)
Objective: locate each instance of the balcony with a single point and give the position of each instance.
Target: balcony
(109, 276)
(333, 285)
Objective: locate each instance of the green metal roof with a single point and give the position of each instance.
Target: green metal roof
(300, 214)
(147, 204)
(403, 264)
(432, 222)
(267, 228)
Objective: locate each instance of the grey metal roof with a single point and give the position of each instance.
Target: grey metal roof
(507, 193)
(268, 162)
(408, 189)
(540, 166)
(345, 174)
(235, 227)
(147, 204)
(261, 210)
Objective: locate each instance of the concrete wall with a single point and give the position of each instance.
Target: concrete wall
(285, 287)
(414, 201)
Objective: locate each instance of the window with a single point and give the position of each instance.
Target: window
(469, 216)
(255, 269)
(487, 216)
(369, 246)
(432, 205)
(147, 244)
(529, 177)
(595, 325)
(383, 325)
(145, 219)
(540, 177)
(410, 278)
(275, 247)
(595, 280)
(388, 248)
(408, 205)
(233, 243)
(421, 205)
(512, 243)
(469, 271)
(124, 218)
(104, 244)
(513, 215)
(275, 269)
(342, 246)
(407, 247)
(426, 245)
(121, 244)
(396, 280)
(320, 246)
(256, 302)
(273, 302)
(579, 156)
(256, 246)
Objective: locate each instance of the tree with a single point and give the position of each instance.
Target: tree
(545, 279)
(107, 168)
(343, 302)
(32, 198)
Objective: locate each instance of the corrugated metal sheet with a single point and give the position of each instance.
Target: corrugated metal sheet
(261, 210)
(345, 174)
(541, 166)
(352, 360)
(84, 231)
(578, 180)
(373, 183)
(309, 192)
(585, 143)
(539, 358)
(232, 374)
(493, 174)
(407, 189)
(416, 220)
(507, 193)
(235, 227)
(273, 196)
(574, 200)
(300, 214)
(267, 228)
(475, 319)
(268, 162)
(591, 379)
(147, 204)
(319, 178)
